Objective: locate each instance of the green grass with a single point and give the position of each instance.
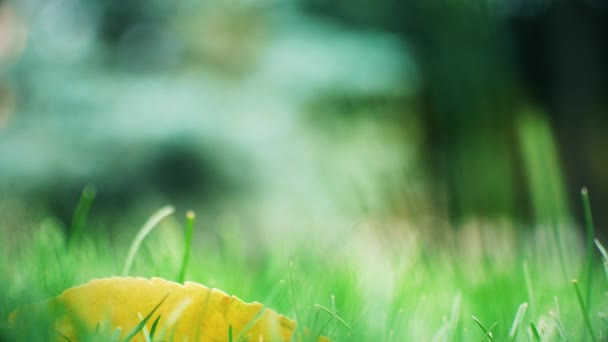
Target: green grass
(492, 281)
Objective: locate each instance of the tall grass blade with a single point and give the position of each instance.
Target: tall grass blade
(517, 321)
(545, 179)
(81, 213)
(602, 250)
(585, 313)
(141, 235)
(590, 236)
(190, 218)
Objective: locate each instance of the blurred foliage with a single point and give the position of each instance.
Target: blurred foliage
(409, 108)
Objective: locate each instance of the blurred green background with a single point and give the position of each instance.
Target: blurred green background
(304, 110)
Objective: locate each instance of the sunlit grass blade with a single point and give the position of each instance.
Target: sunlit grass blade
(521, 311)
(81, 213)
(143, 322)
(141, 235)
(590, 236)
(602, 250)
(581, 303)
(190, 218)
(487, 332)
(230, 334)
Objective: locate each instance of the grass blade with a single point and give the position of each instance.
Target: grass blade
(517, 321)
(144, 329)
(558, 320)
(116, 335)
(81, 213)
(334, 316)
(487, 332)
(242, 336)
(270, 299)
(590, 236)
(579, 296)
(604, 255)
(154, 326)
(535, 332)
(190, 217)
(298, 329)
(315, 330)
(455, 317)
(143, 232)
(143, 322)
(529, 289)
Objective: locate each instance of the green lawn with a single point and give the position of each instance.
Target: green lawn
(386, 280)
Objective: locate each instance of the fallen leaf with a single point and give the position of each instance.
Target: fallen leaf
(189, 312)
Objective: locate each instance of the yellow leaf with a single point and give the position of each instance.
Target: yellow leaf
(189, 312)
